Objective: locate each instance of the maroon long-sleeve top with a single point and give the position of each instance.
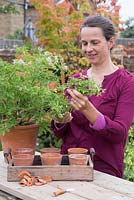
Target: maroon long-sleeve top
(116, 103)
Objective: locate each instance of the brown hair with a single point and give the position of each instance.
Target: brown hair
(104, 23)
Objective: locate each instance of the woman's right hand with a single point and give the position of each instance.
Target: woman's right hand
(67, 117)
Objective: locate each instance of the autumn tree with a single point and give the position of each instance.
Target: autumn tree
(129, 28)
(111, 10)
(59, 23)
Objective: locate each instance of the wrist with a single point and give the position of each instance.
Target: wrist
(91, 113)
(58, 125)
(100, 123)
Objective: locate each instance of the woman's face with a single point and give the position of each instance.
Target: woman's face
(94, 45)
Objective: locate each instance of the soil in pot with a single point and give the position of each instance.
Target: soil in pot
(51, 158)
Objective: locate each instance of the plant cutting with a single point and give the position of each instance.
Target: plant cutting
(32, 89)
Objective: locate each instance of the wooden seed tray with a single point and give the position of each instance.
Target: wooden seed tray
(61, 172)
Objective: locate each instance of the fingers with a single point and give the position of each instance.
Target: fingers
(78, 101)
(65, 119)
(77, 104)
(74, 94)
(74, 104)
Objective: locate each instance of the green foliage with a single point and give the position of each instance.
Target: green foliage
(129, 30)
(47, 139)
(9, 8)
(17, 35)
(129, 156)
(87, 86)
(24, 87)
(32, 89)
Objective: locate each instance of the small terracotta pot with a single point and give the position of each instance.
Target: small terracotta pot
(50, 150)
(23, 151)
(77, 151)
(23, 159)
(78, 159)
(51, 158)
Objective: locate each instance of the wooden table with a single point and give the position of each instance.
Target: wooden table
(104, 187)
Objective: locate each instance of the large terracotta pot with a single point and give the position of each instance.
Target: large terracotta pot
(20, 137)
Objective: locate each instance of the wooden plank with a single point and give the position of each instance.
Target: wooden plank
(91, 191)
(44, 192)
(56, 172)
(115, 184)
(6, 196)
(103, 187)
(82, 191)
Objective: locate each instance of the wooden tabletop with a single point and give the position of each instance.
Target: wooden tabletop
(104, 187)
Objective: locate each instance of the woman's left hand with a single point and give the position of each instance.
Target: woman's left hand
(79, 101)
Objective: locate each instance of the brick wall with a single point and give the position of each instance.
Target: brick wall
(9, 23)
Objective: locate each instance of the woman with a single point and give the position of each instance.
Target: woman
(103, 121)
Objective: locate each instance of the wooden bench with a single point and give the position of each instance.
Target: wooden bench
(103, 187)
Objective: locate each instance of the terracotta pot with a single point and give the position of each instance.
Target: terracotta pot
(78, 159)
(23, 159)
(51, 158)
(20, 137)
(77, 151)
(50, 150)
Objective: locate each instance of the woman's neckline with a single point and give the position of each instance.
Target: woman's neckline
(116, 71)
(90, 75)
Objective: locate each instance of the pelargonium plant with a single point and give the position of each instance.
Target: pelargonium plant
(32, 88)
